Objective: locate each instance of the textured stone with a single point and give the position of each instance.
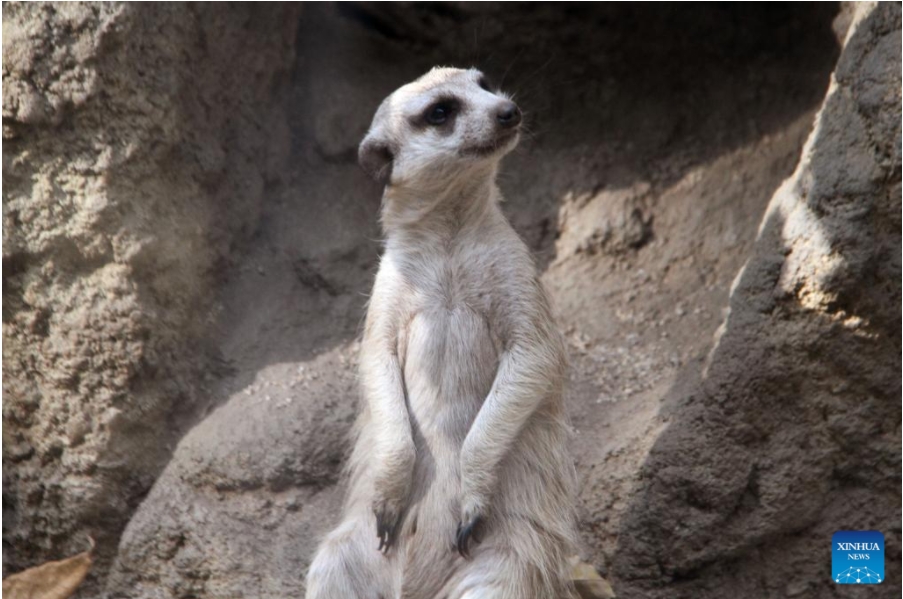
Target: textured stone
(238, 510)
(794, 432)
(138, 140)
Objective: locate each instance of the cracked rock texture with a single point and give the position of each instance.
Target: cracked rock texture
(188, 245)
(794, 431)
(138, 145)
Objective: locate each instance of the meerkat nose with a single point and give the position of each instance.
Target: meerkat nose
(508, 115)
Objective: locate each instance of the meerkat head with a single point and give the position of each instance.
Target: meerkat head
(444, 126)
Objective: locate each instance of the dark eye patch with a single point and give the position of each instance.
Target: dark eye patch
(440, 113)
(483, 82)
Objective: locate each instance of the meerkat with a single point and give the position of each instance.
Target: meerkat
(460, 482)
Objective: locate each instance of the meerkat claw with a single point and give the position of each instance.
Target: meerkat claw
(386, 526)
(464, 534)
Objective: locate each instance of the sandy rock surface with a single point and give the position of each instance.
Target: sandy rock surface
(138, 144)
(793, 432)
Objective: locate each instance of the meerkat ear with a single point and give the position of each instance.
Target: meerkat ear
(375, 156)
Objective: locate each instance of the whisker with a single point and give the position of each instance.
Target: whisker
(511, 64)
(538, 70)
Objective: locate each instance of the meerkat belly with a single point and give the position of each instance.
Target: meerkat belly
(450, 363)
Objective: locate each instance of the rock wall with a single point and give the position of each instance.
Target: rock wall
(216, 204)
(794, 431)
(139, 141)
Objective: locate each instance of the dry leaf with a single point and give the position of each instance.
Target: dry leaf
(588, 582)
(53, 580)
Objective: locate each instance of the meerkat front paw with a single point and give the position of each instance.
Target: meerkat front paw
(388, 522)
(470, 527)
(467, 530)
(392, 487)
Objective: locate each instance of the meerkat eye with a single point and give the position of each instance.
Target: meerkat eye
(484, 84)
(439, 113)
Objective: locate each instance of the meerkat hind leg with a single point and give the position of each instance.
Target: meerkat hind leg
(498, 574)
(348, 565)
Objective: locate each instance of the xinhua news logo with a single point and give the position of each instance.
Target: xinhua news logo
(857, 557)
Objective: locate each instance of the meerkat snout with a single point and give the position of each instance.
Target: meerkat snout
(508, 115)
(447, 124)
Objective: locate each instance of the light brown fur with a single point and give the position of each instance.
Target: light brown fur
(462, 427)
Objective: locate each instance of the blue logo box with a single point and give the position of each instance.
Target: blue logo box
(857, 557)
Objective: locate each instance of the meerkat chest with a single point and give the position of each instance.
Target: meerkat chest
(458, 282)
(449, 345)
